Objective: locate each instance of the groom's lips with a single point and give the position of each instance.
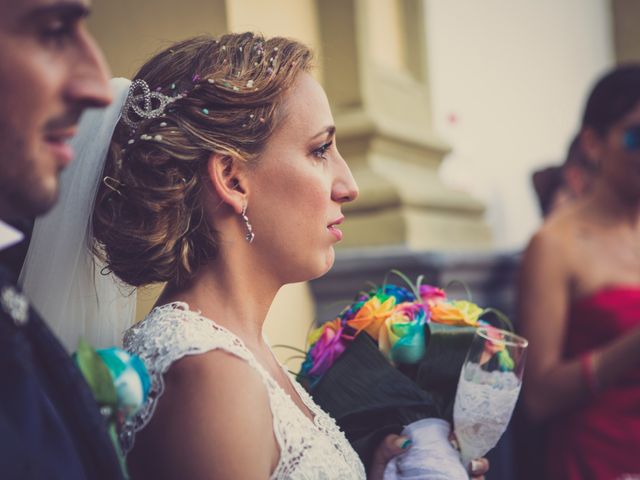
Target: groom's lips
(58, 143)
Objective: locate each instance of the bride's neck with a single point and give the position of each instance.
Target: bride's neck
(232, 293)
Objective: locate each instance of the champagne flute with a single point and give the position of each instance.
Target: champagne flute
(489, 385)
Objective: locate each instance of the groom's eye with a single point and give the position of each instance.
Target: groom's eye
(55, 26)
(57, 31)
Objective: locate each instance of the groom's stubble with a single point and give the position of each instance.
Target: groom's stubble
(50, 71)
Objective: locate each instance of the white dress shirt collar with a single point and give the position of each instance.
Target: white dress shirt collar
(9, 236)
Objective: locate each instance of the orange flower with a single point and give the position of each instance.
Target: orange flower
(372, 316)
(459, 313)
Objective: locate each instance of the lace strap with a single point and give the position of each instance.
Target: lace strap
(168, 334)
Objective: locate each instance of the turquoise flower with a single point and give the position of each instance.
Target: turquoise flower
(130, 379)
(120, 384)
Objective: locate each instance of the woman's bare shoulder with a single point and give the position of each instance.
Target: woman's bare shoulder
(564, 230)
(217, 384)
(551, 238)
(201, 424)
(550, 256)
(215, 364)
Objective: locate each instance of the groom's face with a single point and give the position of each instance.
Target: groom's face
(50, 71)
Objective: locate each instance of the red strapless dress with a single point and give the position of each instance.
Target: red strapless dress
(601, 439)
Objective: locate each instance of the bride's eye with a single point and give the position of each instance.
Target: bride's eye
(321, 152)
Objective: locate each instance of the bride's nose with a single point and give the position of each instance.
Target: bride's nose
(345, 188)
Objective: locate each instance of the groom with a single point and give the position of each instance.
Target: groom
(50, 71)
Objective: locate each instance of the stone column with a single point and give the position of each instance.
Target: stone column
(376, 75)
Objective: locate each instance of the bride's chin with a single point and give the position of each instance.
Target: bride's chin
(329, 260)
(308, 272)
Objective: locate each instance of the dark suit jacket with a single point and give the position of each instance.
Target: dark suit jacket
(50, 426)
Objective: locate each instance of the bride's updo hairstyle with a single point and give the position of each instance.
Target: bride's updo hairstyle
(148, 218)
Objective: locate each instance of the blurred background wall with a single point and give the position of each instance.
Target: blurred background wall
(509, 80)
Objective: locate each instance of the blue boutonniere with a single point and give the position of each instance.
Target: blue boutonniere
(120, 384)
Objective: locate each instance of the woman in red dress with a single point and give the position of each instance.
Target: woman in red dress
(580, 301)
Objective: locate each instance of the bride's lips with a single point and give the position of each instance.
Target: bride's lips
(58, 143)
(332, 227)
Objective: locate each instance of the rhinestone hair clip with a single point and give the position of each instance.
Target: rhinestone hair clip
(144, 103)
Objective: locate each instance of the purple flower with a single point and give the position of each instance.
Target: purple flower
(431, 294)
(328, 347)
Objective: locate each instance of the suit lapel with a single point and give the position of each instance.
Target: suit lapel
(65, 386)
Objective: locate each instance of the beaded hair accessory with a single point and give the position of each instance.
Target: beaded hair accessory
(144, 103)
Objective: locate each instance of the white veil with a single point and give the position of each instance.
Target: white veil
(60, 275)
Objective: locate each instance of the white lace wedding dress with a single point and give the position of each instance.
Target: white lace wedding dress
(309, 450)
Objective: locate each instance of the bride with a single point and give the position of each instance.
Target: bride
(223, 180)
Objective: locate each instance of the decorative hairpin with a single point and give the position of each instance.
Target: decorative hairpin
(146, 104)
(113, 184)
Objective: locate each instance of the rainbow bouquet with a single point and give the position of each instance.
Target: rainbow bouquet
(392, 358)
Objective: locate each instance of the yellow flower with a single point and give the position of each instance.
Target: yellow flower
(316, 333)
(372, 315)
(459, 313)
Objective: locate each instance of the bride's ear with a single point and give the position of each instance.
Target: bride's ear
(229, 180)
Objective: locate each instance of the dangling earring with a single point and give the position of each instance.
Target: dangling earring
(250, 235)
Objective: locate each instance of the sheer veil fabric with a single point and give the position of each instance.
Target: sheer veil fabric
(60, 275)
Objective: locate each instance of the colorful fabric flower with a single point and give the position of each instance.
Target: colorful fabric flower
(372, 315)
(130, 379)
(401, 294)
(458, 312)
(430, 294)
(350, 312)
(402, 338)
(119, 383)
(327, 347)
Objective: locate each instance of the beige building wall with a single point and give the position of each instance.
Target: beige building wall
(130, 32)
(289, 18)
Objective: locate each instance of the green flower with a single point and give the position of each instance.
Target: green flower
(119, 382)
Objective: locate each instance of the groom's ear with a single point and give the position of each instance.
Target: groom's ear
(229, 180)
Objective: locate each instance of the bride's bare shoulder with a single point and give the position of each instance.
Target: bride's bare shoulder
(213, 366)
(215, 409)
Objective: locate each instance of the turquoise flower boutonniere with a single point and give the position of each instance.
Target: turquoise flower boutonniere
(120, 384)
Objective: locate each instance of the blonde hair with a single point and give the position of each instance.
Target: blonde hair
(151, 227)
